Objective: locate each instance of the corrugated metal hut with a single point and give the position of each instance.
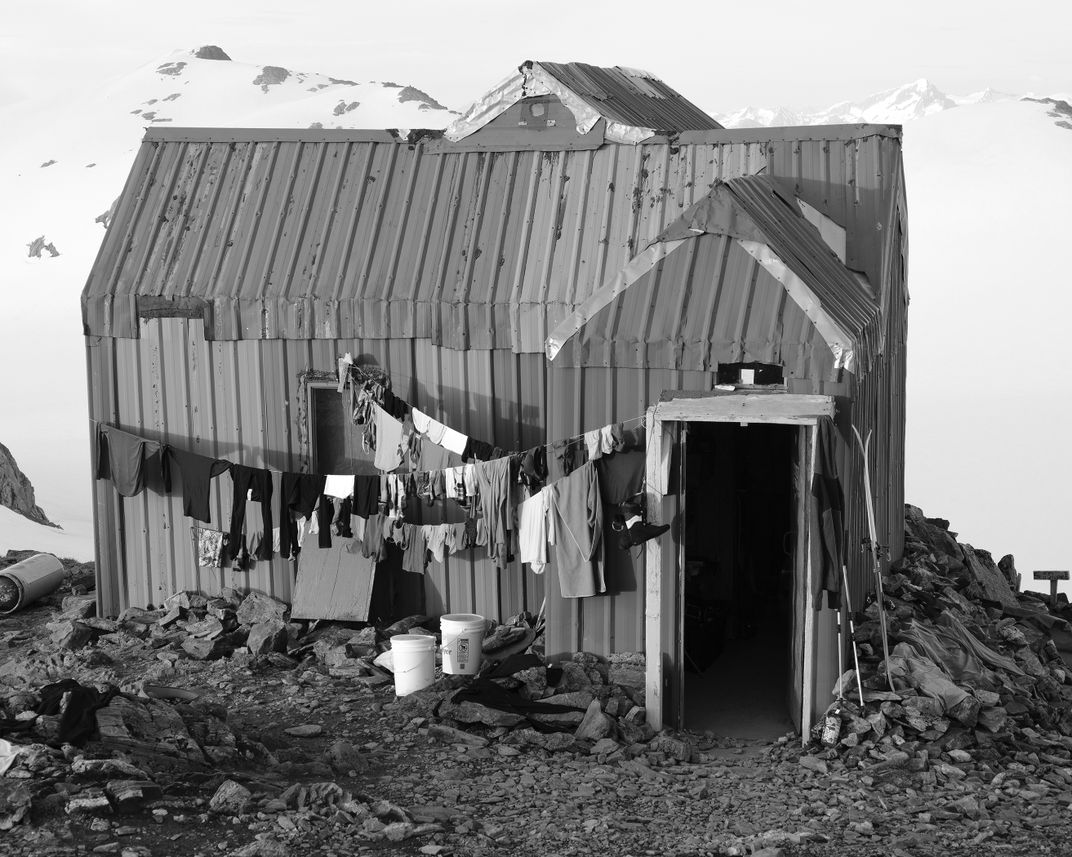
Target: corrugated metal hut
(731, 288)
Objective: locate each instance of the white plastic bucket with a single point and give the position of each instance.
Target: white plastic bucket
(463, 634)
(414, 662)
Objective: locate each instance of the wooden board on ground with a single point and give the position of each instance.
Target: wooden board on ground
(333, 583)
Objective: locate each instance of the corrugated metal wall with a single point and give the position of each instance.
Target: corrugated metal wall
(239, 396)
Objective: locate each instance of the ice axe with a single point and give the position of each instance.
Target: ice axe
(874, 550)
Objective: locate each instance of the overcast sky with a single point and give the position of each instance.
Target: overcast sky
(724, 55)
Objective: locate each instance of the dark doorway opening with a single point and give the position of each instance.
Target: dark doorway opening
(740, 543)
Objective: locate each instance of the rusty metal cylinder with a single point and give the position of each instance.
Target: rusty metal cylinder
(24, 582)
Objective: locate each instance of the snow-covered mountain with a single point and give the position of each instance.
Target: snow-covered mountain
(63, 161)
(899, 105)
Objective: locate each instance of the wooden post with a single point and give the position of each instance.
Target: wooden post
(653, 569)
(1052, 577)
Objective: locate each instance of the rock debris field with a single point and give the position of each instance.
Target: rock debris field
(216, 726)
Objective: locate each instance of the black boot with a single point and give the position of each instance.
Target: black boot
(640, 532)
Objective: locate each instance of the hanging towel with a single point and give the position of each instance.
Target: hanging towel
(421, 421)
(388, 441)
(578, 535)
(366, 495)
(121, 458)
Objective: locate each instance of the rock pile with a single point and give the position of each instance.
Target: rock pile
(982, 682)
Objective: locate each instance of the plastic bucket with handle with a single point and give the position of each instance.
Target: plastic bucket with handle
(414, 662)
(463, 634)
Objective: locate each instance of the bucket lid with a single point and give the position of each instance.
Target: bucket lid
(412, 641)
(462, 619)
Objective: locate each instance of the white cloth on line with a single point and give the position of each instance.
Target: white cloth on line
(532, 530)
(453, 440)
(340, 486)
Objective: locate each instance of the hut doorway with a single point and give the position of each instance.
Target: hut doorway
(668, 425)
(740, 555)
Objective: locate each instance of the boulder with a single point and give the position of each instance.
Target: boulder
(73, 635)
(595, 724)
(201, 649)
(267, 636)
(474, 712)
(231, 798)
(258, 607)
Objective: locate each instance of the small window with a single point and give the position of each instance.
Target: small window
(750, 374)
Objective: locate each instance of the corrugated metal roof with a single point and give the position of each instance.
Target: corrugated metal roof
(631, 97)
(373, 238)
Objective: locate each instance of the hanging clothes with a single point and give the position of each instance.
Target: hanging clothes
(121, 457)
(299, 493)
(339, 486)
(610, 439)
(251, 514)
(372, 546)
(593, 444)
(435, 536)
(532, 469)
(621, 476)
(366, 495)
(578, 532)
(415, 557)
(197, 473)
(453, 440)
(388, 441)
(210, 548)
(532, 530)
(493, 487)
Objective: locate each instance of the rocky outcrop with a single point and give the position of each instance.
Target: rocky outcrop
(38, 247)
(16, 492)
(211, 52)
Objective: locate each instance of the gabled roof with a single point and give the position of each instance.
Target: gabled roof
(764, 219)
(635, 104)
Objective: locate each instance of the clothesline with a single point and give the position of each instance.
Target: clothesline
(373, 391)
(487, 490)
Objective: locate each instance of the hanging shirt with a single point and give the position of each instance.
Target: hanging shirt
(435, 536)
(388, 441)
(121, 458)
(578, 513)
(493, 486)
(532, 530)
(621, 476)
(197, 473)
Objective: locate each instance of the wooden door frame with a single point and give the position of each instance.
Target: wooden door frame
(661, 619)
